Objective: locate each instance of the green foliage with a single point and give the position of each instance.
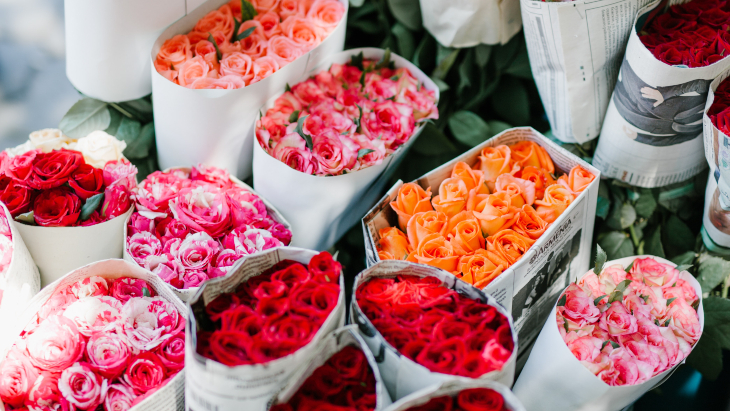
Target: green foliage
(85, 116)
(706, 356)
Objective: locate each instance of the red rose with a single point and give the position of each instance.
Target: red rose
(222, 303)
(20, 167)
(377, 290)
(145, 372)
(54, 169)
(292, 327)
(443, 356)
(315, 300)
(480, 399)
(16, 197)
(325, 380)
(665, 24)
(172, 352)
(721, 121)
(445, 330)
(444, 403)
(473, 366)
(243, 320)
(291, 275)
(393, 333)
(668, 53)
(270, 289)
(229, 348)
(478, 339)
(716, 18)
(170, 228)
(413, 348)
(57, 207)
(263, 351)
(351, 363)
(86, 181)
(324, 264)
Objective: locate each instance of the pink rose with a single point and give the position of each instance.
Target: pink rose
(58, 302)
(45, 395)
(119, 397)
(172, 353)
(81, 387)
(585, 348)
(94, 314)
(285, 104)
(125, 288)
(120, 172)
(637, 307)
(579, 307)
(117, 200)
(6, 254)
(202, 210)
(280, 232)
(653, 295)
(154, 194)
(269, 23)
(191, 70)
(289, 8)
(194, 278)
(55, 345)
(617, 320)
(195, 252)
(332, 155)
(264, 67)
(653, 273)
(423, 102)
(90, 287)
(292, 150)
(684, 321)
(171, 272)
(144, 373)
(611, 277)
(625, 370)
(147, 322)
(249, 240)
(670, 344)
(391, 120)
(223, 262)
(107, 354)
(495, 354)
(142, 246)
(302, 31)
(237, 64)
(326, 14)
(246, 207)
(17, 376)
(683, 290)
(329, 83)
(213, 175)
(229, 82)
(140, 224)
(380, 88)
(169, 228)
(308, 92)
(284, 49)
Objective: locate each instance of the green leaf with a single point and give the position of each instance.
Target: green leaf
(601, 258)
(615, 296)
(27, 218)
(646, 204)
(504, 54)
(357, 3)
(91, 204)
(242, 35)
(128, 130)
(622, 216)
(598, 300)
(605, 343)
(442, 85)
(116, 120)
(288, 87)
(140, 109)
(706, 357)
(248, 12)
(236, 27)
(407, 12)
(684, 258)
(481, 54)
(520, 66)
(496, 127)
(602, 207)
(445, 63)
(670, 301)
(712, 271)
(717, 320)
(683, 267)
(85, 116)
(363, 152)
(468, 128)
(622, 285)
(561, 301)
(614, 344)
(299, 130)
(511, 102)
(677, 238)
(425, 54)
(616, 244)
(140, 147)
(385, 61)
(405, 41)
(357, 61)
(565, 325)
(653, 243)
(433, 142)
(146, 292)
(218, 54)
(628, 269)
(294, 116)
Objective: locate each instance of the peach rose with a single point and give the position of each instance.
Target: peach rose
(436, 251)
(206, 50)
(237, 64)
(288, 8)
(577, 181)
(684, 321)
(264, 6)
(326, 14)
(256, 45)
(191, 70)
(617, 320)
(284, 49)
(557, 198)
(653, 273)
(521, 191)
(264, 67)
(269, 23)
(302, 31)
(509, 245)
(610, 277)
(472, 178)
(197, 36)
(529, 223)
(464, 233)
(223, 83)
(395, 243)
(495, 161)
(217, 20)
(174, 52)
(452, 197)
(481, 268)
(540, 177)
(422, 224)
(411, 199)
(494, 212)
(528, 153)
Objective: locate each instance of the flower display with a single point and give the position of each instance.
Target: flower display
(484, 218)
(244, 42)
(54, 181)
(472, 399)
(692, 34)
(95, 344)
(346, 118)
(272, 314)
(6, 248)
(193, 226)
(345, 381)
(627, 326)
(719, 111)
(435, 326)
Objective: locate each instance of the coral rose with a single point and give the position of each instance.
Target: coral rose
(411, 199)
(494, 212)
(452, 197)
(472, 178)
(509, 245)
(425, 223)
(557, 198)
(495, 161)
(436, 251)
(577, 181)
(528, 153)
(481, 268)
(394, 243)
(521, 191)
(529, 223)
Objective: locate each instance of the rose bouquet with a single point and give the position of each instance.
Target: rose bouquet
(106, 336)
(6, 248)
(716, 128)
(254, 327)
(193, 225)
(617, 333)
(335, 137)
(54, 181)
(441, 328)
(460, 396)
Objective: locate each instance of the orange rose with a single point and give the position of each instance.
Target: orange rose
(223, 83)
(411, 199)
(435, 251)
(423, 224)
(191, 70)
(206, 50)
(540, 177)
(529, 223)
(237, 64)
(263, 6)
(528, 153)
(481, 268)
(217, 20)
(302, 31)
(509, 245)
(326, 14)
(557, 199)
(197, 36)
(577, 181)
(174, 52)
(264, 67)
(520, 191)
(464, 233)
(494, 212)
(289, 8)
(495, 161)
(394, 242)
(284, 49)
(270, 23)
(472, 178)
(452, 197)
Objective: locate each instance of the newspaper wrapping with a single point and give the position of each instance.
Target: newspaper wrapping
(187, 293)
(401, 375)
(652, 133)
(170, 396)
(322, 209)
(467, 23)
(21, 281)
(107, 44)
(575, 50)
(553, 379)
(453, 388)
(330, 345)
(529, 287)
(211, 385)
(216, 126)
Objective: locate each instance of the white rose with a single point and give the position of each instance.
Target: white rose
(50, 139)
(21, 149)
(100, 148)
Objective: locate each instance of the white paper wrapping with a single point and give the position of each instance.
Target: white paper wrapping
(330, 345)
(527, 288)
(466, 23)
(211, 385)
(187, 294)
(108, 44)
(652, 134)
(401, 375)
(58, 250)
(453, 388)
(553, 379)
(322, 209)
(715, 220)
(21, 281)
(575, 50)
(169, 397)
(216, 126)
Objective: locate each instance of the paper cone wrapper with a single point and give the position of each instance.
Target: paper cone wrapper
(452, 389)
(108, 44)
(216, 126)
(21, 281)
(329, 346)
(403, 376)
(715, 220)
(170, 396)
(188, 293)
(211, 385)
(553, 379)
(468, 23)
(322, 209)
(58, 250)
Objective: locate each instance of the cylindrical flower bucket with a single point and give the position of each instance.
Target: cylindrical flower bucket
(467, 395)
(226, 313)
(322, 208)
(471, 22)
(594, 372)
(108, 43)
(215, 126)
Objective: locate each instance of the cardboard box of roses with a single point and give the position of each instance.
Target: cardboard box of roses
(461, 395)
(552, 254)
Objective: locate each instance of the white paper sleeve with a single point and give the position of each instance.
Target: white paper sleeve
(403, 376)
(453, 388)
(108, 44)
(322, 209)
(213, 386)
(215, 126)
(553, 379)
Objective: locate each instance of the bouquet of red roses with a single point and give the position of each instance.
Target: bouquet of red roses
(459, 396)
